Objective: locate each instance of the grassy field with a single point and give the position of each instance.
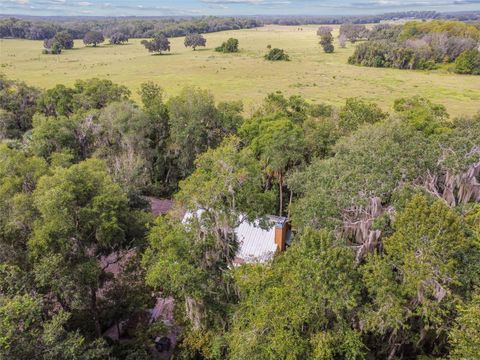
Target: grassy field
(246, 76)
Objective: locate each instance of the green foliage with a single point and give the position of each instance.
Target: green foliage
(422, 114)
(83, 216)
(413, 285)
(276, 54)
(420, 46)
(96, 93)
(327, 42)
(454, 28)
(53, 134)
(18, 103)
(357, 112)
(19, 175)
(468, 62)
(229, 46)
(465, 337)
(52, 46)
(196, 124)
(302, 306)
(85, 95)
(25, 333)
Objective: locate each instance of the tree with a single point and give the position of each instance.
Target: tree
(195, 40)
(93, 38)
(413, 285)
(97, 93)
(118, 38)
(324, 30)
(83, 216)
(229, 46)
(19, 103)
(342, 40)
(279, 144)
(318, 275)
(158, 44)
(468, 62)
(155, 108)
(65, 39)
(276, 54)
(26, 334)
(57, 101)
(53, 134)
(422, 114)
(465, 336)
(123, 139)
(225, 189)
(19, 175)
(327, 42)
(52, 46)
(196, 124)
(357, 112)
(354, 32)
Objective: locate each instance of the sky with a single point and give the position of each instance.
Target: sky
(226, 7)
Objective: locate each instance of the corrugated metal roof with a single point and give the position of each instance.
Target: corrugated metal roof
(255, 243)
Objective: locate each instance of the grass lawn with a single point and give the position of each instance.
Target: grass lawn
(245, 76)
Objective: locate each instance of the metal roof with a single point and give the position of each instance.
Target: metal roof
(256, 244)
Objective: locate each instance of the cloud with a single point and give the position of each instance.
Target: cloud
(226, 7)
(247, 2)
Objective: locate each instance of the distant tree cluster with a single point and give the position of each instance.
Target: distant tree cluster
(62, 40)
(229, 46)
(130, 27)
(421, 46)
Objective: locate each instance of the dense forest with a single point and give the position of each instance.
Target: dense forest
(144, 27)
(130, 27)
(385, 261)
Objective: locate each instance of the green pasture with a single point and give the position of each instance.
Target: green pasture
(245, 76)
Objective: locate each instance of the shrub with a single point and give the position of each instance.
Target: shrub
(229, 46)
(468, 63)
(276, 54)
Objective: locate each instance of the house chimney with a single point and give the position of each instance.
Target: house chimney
(281, 233)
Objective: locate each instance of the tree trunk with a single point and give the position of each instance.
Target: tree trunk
(94, 310)
(280, 185)
(290, 203)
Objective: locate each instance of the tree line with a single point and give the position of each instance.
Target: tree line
(130, 27)
(417, 45)
(45, 28)
(384, 206)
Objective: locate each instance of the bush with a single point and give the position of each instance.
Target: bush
(468, 63)
(277, 55)
(229, 46)
(52, 46)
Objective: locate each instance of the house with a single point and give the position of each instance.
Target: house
(258, 241)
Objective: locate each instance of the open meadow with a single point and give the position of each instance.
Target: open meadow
(245, 76)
